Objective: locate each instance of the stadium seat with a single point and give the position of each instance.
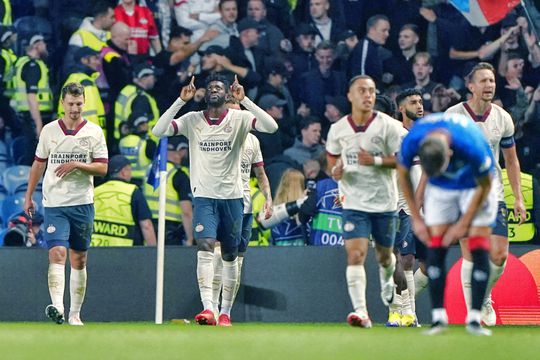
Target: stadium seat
(21, 151)
(11, 205)
(16, 177)
(4, 156)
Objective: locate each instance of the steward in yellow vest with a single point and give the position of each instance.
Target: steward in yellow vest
(122, 215)
(32, 98)
(7, 60)
(178, 207)
(85, 73)
(526, 231)
(259, 236)
(135, 101)
(138, 149)
(5, 13)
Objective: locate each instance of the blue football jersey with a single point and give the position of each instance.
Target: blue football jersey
(472, 157)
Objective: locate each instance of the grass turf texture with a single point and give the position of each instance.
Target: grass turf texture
(259, 341)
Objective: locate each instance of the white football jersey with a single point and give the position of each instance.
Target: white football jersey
(215, 150)
(497, 126)
(251, 156)
(57, 146)
(415, 173)
(366, 188)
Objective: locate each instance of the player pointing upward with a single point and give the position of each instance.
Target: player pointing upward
(216, 137)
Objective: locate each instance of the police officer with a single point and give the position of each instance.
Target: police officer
(178, 210)
(138, 148)
(134, 98)
(122, 214)
(32, 93)
(7, 70)
(85, 73)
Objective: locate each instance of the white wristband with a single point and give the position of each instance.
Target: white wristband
(377, 161)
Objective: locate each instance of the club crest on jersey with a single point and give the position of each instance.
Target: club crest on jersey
(51, 229)
(377, 140)
(349, 226)
(84, 143)
(249, 152)
(199, 227)
(228, 129)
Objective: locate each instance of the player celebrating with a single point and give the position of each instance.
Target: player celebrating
(498, 128)
(251, 159)
(361, 153)
(70, 152)
(458, 162)
(216, 136)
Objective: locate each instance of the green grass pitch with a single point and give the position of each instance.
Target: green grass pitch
(259, 341)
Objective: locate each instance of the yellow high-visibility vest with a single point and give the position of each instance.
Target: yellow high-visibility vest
(133, 147)
(44, 94)
(527, 230)
(173, 210)
(122, 108)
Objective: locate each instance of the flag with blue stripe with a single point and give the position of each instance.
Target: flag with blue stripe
(159, 163)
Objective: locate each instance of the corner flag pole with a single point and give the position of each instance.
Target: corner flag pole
(161, 229)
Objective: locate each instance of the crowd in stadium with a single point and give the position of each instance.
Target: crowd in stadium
(293, 57)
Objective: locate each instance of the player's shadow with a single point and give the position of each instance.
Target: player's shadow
(269, 299)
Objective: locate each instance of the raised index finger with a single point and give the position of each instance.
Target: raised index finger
(192, 82)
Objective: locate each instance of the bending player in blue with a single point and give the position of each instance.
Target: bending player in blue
(458, 203)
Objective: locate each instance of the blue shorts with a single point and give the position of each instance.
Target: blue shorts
(69, 226)
(360, 224)
(500, 227)
(247, 223)
(405, 242)
(219, 219)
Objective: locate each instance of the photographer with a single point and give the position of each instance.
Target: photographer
(24, 231)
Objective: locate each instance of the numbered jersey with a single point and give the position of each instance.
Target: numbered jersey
(498, 128)
(471, 155)
(366, 188)
(326, 225)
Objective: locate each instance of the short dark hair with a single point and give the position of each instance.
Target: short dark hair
(221, 2)
(412, 27)
(358, 77)
(218, 77)
(178, 31)
(402, 96)
(308, 121)
(478, 67)
(385, 104)
(101, 8)
(372, 21)
(325, 45)
(73, 89)
(432, 155)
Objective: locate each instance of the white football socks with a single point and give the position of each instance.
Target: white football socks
(495, 273)
(205, 276)
(237, 287)
(409, 276)
(77, 290)
(230, 278)
(421, 282)
(56, 281)
(466, 273)
(406, 308)
(356, 283)
(395, 306)
(216, 282)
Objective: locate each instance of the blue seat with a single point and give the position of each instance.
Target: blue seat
(22, 150)
(4, 156)
(16, 177)
(11, 205)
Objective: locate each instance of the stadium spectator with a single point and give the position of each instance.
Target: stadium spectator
(498, 128)
(226, 25)
(138, 149)
(308, 146)
(452, 143)
(289, 232)
(33, 96)
(144, 32)
(276, 79)
(303, 56)
(422, 68)
(178, 211)
(399, 67)
(368, 55)
(327, 28)
(270, 36)
(126, 221)
(85, 72)
(68, 198)
(361, 152)
(135, 101)
(321, 81)
(7, 66)
(336, 107)
(196, 15)
(216, 180)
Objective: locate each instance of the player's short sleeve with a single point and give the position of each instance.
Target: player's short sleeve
(43, 150)
(99, 152)
(507, 139)
(256, 158)
(333, 147)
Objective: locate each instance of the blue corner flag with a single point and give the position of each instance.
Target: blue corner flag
(159, 163)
